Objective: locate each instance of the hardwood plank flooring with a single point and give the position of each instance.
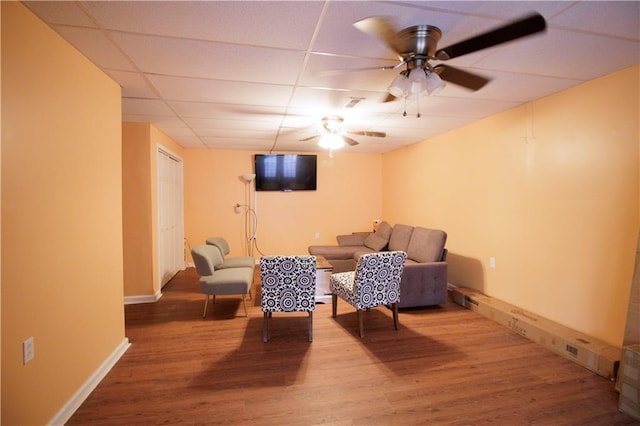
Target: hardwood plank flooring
(445, 365)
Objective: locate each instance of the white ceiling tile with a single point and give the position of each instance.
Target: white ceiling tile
(235, 133)
(60, 12)
(133, 84)
(157, 120)
(220, 91)
(253, 75)
(608, 18)
(145, 106)
(218, 123)
(243, 144)
(583, 56)
(205, 59)
(181, 134)
(511, 87)
(97, 47)
(227, 111)
(282, 24)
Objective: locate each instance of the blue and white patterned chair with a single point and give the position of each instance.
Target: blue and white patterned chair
(288, 285)
(375, 282)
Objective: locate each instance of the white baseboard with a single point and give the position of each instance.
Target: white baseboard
(150, 298)
(85, 390)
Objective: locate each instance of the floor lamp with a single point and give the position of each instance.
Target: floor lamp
(250, 214)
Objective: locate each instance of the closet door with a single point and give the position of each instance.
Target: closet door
(170, 216)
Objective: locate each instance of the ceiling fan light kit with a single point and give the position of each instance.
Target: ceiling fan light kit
(420, 82)
(331, 141)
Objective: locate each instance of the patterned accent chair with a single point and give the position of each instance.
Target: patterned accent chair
(288, 285)
(375, 282)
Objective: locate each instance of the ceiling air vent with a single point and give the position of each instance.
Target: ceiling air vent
(353, 102)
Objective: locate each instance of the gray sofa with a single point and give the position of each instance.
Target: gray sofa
(424, 279)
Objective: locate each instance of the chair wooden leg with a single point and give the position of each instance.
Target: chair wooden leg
(334, 305)
(360, 322)
(311, 326)
(206, 302)
(395, 315)
(265, 327)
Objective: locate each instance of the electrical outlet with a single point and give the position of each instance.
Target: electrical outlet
(27, 350)
(317, 234)
(492, 262)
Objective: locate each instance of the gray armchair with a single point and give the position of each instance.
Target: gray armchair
(215, 281)
(230, 262)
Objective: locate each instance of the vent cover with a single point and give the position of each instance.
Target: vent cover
(353, 102)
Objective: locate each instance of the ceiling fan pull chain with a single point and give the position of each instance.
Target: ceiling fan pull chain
(404, 114)
(418, 105)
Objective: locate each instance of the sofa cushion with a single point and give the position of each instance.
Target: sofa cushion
(384, 230)
(426, 245)
(375, 242)
(361, 251)
(355, 239)
(335, 252)
(400, 237)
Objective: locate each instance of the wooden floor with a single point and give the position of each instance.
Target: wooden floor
(445, 365)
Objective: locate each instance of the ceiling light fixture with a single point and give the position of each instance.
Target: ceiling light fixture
(332, 138)
(331, 141)
(416, 81)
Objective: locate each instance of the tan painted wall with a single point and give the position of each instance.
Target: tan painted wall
(348, 198)
(136, 210)
(140, 213)
(61, 218)
(549, 189)
(0, 206)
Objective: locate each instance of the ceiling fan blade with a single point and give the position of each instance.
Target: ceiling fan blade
(520, 28)
(329, 73)
(350, 141)
(461, 77)
(310, 138)
(368, 133)
(381, 28)
(389, 98)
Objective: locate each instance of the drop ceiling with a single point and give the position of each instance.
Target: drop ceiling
(260, 75)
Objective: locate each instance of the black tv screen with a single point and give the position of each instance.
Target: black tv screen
(285, 172)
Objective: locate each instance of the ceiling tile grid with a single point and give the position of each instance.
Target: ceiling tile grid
(260, 75)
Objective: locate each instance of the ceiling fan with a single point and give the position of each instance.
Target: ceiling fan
(334, 135)
(416, 46)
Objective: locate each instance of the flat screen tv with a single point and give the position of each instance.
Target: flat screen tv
(285, 172)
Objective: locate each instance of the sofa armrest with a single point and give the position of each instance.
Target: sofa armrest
(355, 239)
(423, 284)
(420, 272)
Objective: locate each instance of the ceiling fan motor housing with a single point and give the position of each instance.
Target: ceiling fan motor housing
(333, 123)
(419, 44)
